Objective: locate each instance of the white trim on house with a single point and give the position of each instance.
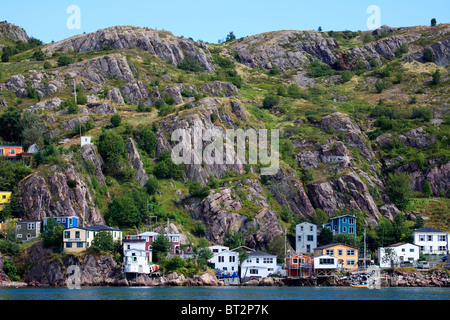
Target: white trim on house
(403, 252)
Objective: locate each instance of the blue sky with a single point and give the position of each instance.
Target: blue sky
(210, 20)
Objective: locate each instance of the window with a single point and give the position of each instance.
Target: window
(225, 269)
(350, 252)
(340, 252)
(77, 234)
(68, 244)
(30, 226)
(350, 262)
(411, 250)
(442, 238)
(422, 248)
(310, 238)
(301, 228)
(253, 271)
(311, 228)
(19, 236)
(2, 152)
(403, 249)
(221, 259)
(13, 151)
(329, 252)
(231, 258)
(267, 260)
(326, 261)
(295, 260)
(257, 260)
(79, 244)
(269, 269)
(215, 250)
(18, 227)
(421, 237)
(442, 248)
(3, 197)
(344, 220)
(66, 234)
(63, 220)
(430, 238)
(351, 230)
(174, 239)
(351, 221)
(344, 229)
(299, 238)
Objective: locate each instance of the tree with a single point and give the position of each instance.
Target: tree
(390, 256)
(270, 101)
(398, 189)
(64, 61)
(319, 217)
(189, 64)
(294, 90)
(319, 29)
(281, 91)
(380, 85)
(197, 190)
(148, 141)
(419, 223)
(428, 55)
(110, 144)
(385, 232)
(151, 186)
(325, 237)
(123, 212)
(433, 22)
(116, 120)
(234, 239)
(346, 76)
(33, 129)
(10, 125)
(161, 246)
(436, 77)
(53, 234)
(427, 191)
(276, 247)
(230, 37)
(401, 231)
(103, 241)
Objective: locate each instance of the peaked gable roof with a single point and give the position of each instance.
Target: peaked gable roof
(428, 229)
(335, 244)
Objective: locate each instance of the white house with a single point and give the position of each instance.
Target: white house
(136, 261)
(227, 262)
(325, 262)
(305, 237)
(431, 241)
(85, 140)
(400, 252)
(259, 264)
(216, 249)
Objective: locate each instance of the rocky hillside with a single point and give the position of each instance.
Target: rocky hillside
(353, 109)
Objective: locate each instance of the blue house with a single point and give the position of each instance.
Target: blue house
(345, 224)
(66, 221)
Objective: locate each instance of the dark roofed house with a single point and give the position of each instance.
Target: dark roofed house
(78, 239)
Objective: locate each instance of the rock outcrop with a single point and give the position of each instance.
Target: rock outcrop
(9, 31)
(58, 199)
(161, 43)
(135, 160)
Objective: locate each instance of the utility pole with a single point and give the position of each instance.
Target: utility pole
(364, 249)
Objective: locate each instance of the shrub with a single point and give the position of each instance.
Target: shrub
(428, 55)
(110, 144)
(281, 91)
(151, 186)
(116, 120)
(47, 65)
(64, 61)
(436, 77)
(380, 85)
(270, 101)
(346, 76)
(189, 64)
(427, 191)
(197, 190)
(148, 141)
(318, 69)
(398, 189)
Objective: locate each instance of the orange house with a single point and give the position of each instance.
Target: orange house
(299, 265)
(10, 151)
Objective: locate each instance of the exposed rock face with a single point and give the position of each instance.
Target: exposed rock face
(348, 192)
(288, 191)
(101, 108)
(135, 92)
(70, 124)
(219, 89)
(89, 153)
(286, 49)
(58, 199)
(115, 95)
(417, 138)
(45, 271)
(437, 176)
(113, 66)
(441, 53)
(333, 152)
(160, 43)
(383, 30)
(11, 31)
(3, 276)
(51, 104)
(220, 213)
(135, 160)
(17, 85)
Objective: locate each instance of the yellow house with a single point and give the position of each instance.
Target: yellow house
(5, 197)
(347, 256)
(78, 239)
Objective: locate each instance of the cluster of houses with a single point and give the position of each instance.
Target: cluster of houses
(305, 260)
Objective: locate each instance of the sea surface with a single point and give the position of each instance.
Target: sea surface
(224, 293)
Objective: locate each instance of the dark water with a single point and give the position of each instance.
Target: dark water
(224, 293)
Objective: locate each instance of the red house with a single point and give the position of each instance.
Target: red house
(10, 151)
(143, 241)
(299, 265)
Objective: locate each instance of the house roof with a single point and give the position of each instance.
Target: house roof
(259, 254)
(246, 249)
(101, 227)
(335, 244)
(428, 229)
(344, 215)
(398, 244)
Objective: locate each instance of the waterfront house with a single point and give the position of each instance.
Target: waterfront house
(85, 140)
(397, 253)
(10, 151)
(431, 241)
(66, 221)
(144, 242)
(305, 237)
(259, 264)
(227, 263)
(299, 265)
(216, 249)
(78, 239)
(347, 256)
(324, 264)
(27, 230)
(345, 224)
(136, 261)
